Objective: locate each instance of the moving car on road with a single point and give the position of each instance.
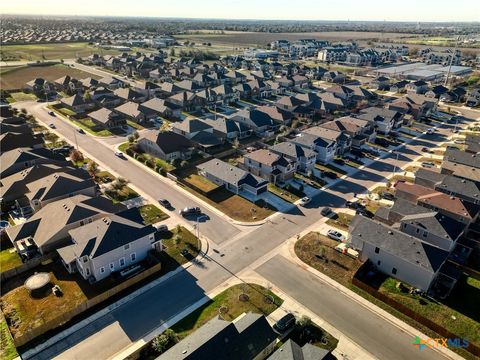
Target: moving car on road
(51, 126)
(165, 203)
(51, 113)
(81, 131)
(119, 154)
(335, 235)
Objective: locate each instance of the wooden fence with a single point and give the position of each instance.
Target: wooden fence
(30, 264)
(62, 318)
(472, 348)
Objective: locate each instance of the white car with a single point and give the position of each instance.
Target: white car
(459, 141)
(430, 131)
(335, 235)
(427, 164)
(119, 154)
(305, 200)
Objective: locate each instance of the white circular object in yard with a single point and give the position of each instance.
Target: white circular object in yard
(37, 281)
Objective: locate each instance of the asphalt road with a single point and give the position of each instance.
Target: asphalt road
(369, 330)
(143, 314)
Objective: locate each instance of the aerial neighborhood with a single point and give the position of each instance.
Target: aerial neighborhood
(264, 201)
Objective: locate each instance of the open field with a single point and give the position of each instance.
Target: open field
(246, 39)
(16, 77)
(55, 51)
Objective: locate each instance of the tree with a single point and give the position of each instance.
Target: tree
(119, 183)
(76, 156)
(172, 51)
(87, 96)
(183, 163)
(131, 138)
(164, 341)
(176, 239)
(92, 168)
(304, 322)
(136, 135)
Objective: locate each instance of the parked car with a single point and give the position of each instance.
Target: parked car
(190, 211)
(51, 113)
(430, 131)
(51, 126)
(165, 203)
(354, 205)
(335, 235)
(305, 200)
(387, 196)
(364, 212)
(81, 131)
(285, 323)
(119, 154)
(162, 228)
(326, 211)
(427, 164)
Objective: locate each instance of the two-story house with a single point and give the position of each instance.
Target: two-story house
(269, 166)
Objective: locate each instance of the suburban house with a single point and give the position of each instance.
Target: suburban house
(290, 350)
(112, 83)
(450, 206)
(305, 158)
(411, 192)
(109, 244)
(360, 131)
(473, 98)
(330, 133)
(77, 103)
(397, 254)
(165, 145)
(232, 178)
(133, 111)
(417, 87)
(48, 228)
(269, 166)
(22, 158)
(229, 129)
(280, 116)
(472, 144)
(15, 185)
(160, 107)
(433, 228)
(384, 119)
(418, 106)
(199, 132)
(324, 148)
(128, 94)
(10, 140)
(462, 164)
(187, 100)
(249, 336)
(260, 122)
(399, 209)
(57, 186)
(107, 118)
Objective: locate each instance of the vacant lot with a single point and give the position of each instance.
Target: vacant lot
(59, 51)
(16, 77)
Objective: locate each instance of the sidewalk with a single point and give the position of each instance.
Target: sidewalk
(288, 251)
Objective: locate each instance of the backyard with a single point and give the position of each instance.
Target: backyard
(16, 77)
(7, 348)
(9, 259)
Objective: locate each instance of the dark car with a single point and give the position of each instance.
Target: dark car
(165, 203)
(354, 205)
(190, 211)
(330, 174)
(357, 152)
(326, 211)
(285, 323)
(81, 131)
(387, 196)
(364, 212)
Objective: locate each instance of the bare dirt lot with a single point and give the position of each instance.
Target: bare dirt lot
(16, 77)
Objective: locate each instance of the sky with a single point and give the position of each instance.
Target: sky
(404, 10)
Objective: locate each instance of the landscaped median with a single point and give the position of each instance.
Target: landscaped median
(458, 314)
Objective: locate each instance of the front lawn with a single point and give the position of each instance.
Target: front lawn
(282, 193)
(330, 168)
(259, 301)
(174, 241)
(21, 96)
(200, 182)
(319, 252)
(126, 193)
(152, 214)
(340, 220)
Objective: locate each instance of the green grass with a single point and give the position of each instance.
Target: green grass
(105, 176)
(134, 125)
(9, 260)
(7, 348)
(282, 193)
(185, 240)
(200, 182)
(341, 220)
(21, 96)
(229, 300)
(152, 214)
(331, 168)
(67, 112)
(164, 164)
(124, 194)
(462, 305)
